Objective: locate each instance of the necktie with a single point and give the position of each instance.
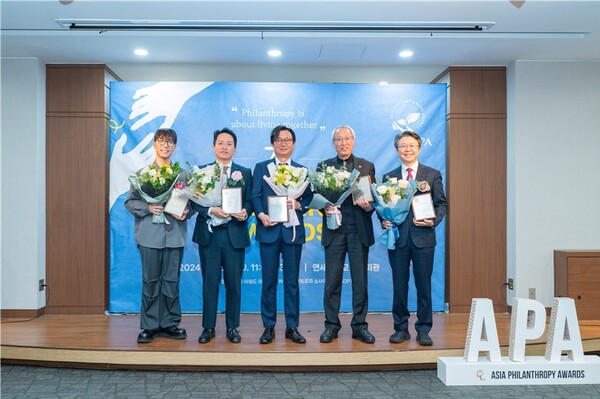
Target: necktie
(224, 176)
(283, 163)
(409, 175)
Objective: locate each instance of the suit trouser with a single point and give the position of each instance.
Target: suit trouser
(160, 287)
(335, 255)
(219, 253)
(422, 262)
(269, 257)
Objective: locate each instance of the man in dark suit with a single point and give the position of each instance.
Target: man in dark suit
(277, 239)
(416, 243)
(223, 245)
(353, 237)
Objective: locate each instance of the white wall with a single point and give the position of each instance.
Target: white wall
(23, 182)
(553, 168)
(274, 73)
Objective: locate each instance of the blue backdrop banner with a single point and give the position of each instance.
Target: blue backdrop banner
(196, 109)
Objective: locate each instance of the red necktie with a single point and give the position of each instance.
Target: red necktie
(409, 175)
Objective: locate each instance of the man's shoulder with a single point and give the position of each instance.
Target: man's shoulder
(363, 161)
(394, 172)
(241, 168)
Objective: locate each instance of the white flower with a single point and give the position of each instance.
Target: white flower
(403, 184)
(393, 180)
(152, 172)
(381, 190)
(206, 179)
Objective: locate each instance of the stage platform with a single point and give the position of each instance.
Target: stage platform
(109, 342)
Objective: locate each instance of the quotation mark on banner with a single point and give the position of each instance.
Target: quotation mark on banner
(234, 108)
(322, 128)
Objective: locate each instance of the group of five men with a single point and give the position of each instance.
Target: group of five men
(222, 245)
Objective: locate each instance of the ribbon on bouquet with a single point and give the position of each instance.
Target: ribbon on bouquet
(334, 220)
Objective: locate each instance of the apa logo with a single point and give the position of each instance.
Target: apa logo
(407, 115)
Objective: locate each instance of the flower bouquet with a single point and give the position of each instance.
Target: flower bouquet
(392, 203)
(155, 185)
(332, 186)
(290, 181)
(204, 188)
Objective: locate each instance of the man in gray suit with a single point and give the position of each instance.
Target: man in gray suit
(161, 247)
(416, 243)
(353, 237)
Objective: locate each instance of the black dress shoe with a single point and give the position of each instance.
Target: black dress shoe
(399, 336)
(295, 336)
(173, 332)
(233, 336)
(424, 339)
(267, 336)
(147, 336)
(206, 336)
(364, 336)
(328, 336)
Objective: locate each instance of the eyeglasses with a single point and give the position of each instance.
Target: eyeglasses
(284, 141)
(341, 140)
(406, 146)
(163, 142)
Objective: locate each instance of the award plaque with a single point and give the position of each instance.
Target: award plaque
(176, 204)
(277, 208)
(231, 199)
(363, 189)
(422, 206)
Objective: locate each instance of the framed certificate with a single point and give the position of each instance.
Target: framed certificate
(177, 203)
(231, 199)
(422, 206)
(277, 208)
(363, 189)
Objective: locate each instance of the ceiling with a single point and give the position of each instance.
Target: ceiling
(522, 30)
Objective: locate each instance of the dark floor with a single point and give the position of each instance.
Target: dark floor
(42, 382)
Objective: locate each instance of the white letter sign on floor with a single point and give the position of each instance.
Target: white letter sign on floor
(527, 322)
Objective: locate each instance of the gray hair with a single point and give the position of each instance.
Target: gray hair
(337, 129)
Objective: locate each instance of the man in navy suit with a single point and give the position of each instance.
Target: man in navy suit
(353, 237)
(276, 239)
(224, 245)
(416, 243)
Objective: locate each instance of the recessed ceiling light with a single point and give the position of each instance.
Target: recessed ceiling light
(383, 83)
(406, 54)
(274, 53)
(141, 52)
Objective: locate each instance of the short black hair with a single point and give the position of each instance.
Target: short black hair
(225, 130)
(406, 133)
(277, 129)
(166, 134)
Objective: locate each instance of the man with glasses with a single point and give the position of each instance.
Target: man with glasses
(277, 239)
(353, 237)
(161, 248)
(416, 242)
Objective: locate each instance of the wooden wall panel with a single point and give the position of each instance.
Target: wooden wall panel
(476, 225)
(77, 171)
(476, 186)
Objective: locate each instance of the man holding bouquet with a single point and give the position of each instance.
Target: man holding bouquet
(416, 242)
(222, 239)
(353, 237)
(160, 244)
(280, 176)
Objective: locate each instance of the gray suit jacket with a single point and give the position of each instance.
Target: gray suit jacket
(423, 236)
(156, 235)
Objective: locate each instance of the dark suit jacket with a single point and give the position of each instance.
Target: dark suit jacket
(423, 237)
(260, 191)
(364, 224)
(238, 231)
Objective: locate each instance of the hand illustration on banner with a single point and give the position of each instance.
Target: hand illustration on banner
(122, 164)
(163, 99)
